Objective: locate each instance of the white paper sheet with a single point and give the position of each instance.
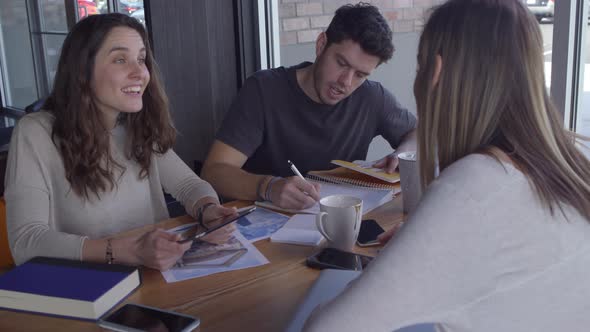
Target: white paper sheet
(205, 259)
(261, 224)
(300, 229)
(372, 198)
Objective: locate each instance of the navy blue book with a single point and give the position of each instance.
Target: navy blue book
(67, 288)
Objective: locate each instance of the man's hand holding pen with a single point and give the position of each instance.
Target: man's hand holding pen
(294, 192)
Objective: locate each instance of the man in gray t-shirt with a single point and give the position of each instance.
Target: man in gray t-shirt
(310, 114)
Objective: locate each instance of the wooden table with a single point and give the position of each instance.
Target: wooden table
(262, 298)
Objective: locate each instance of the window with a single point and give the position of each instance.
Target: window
(31, 35)
(48, 29)
(16, 57)
(544, 11)
(582, 121)
(569, 63)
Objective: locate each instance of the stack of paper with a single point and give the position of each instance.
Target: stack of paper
(300, 229)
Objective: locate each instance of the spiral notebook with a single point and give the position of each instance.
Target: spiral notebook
(366, 167)
(347, 176)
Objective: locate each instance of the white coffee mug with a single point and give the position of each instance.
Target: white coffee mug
(339, 220)
(410, 180)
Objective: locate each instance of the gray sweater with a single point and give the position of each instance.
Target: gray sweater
(46, 218)
(480, 253)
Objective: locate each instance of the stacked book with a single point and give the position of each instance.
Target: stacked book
(68, 288)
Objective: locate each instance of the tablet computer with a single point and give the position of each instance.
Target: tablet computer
(196, 232)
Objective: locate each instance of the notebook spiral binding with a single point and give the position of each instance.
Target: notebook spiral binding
(352, 182)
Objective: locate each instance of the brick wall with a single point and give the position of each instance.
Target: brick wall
(302, 20)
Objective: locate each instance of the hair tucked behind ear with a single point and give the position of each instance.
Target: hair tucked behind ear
(491, 92)
(79, 131)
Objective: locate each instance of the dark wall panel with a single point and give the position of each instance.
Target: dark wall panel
(194, 43)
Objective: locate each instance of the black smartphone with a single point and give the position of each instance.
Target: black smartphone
(368, 233)
(331, 258)
(136, 317)
(195, 233)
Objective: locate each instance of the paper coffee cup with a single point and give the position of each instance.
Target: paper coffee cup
(410, 180)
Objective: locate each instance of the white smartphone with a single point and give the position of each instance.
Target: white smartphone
(135, 318)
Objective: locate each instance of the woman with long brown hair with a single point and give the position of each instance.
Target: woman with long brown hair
(94, 161)
(501, 239)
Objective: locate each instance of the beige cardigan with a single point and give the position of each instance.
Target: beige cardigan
(46, 218)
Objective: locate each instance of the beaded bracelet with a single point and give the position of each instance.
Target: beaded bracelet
(269, 186)
(108, 256)
(259, 186)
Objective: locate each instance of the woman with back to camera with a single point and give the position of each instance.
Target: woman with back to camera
(501, 239)
(94, 161)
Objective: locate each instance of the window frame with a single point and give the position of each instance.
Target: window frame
(569, 33)
(37, 39)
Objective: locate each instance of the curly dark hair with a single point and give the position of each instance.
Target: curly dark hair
(78, 130)
(363, 24)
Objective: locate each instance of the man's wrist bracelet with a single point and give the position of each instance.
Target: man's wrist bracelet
(259, 196)
(269, 187)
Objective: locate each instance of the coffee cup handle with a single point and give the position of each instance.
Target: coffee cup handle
(319, 221)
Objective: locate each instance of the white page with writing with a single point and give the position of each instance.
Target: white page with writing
(371, 197)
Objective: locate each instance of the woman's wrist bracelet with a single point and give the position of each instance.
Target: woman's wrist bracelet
(108, 256)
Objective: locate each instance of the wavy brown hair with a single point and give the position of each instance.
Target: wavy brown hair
(491, 93)
(79, 131)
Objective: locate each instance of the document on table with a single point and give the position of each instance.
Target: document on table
(261, 224)
(300, 229)
(372, 198)
(205, 258)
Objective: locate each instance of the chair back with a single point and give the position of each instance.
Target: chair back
(35, 106)
(5, 255)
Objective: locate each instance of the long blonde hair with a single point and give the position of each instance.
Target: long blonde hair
(491, 93)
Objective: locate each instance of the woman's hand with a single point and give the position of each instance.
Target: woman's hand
(221, 235)
(386, 236)
(213, 213)
(217, 211)
(156, 249)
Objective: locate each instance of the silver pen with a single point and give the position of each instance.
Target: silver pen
(295, 170)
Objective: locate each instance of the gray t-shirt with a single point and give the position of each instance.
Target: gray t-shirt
(272, 120)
